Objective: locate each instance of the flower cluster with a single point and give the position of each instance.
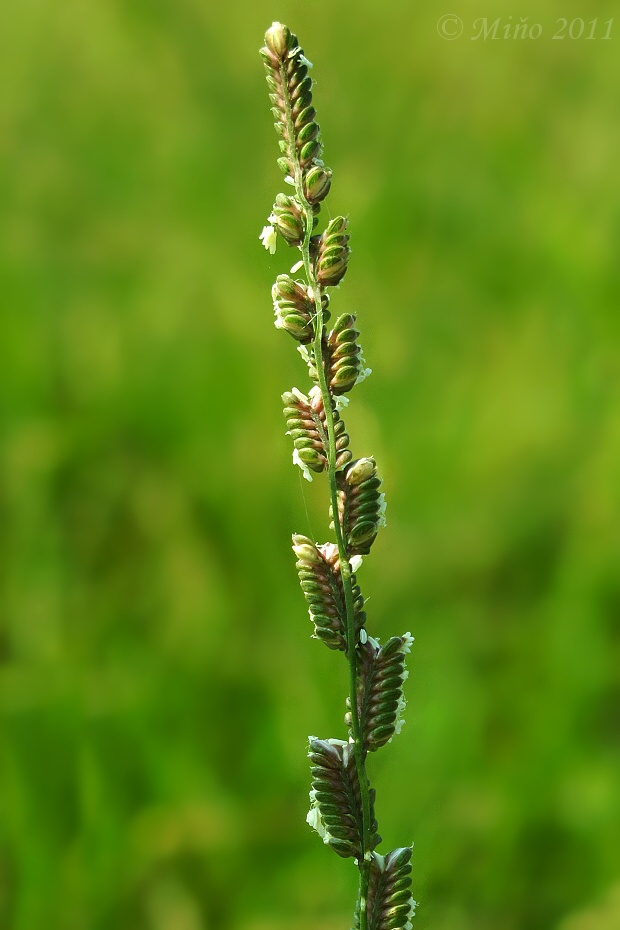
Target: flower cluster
(361, 506)
(336, 805)
(290, 88)
(343, 361)
(380, 701)
(306, 421)
(389, 905)
(318, 568)
(291, 96)
(332, 253)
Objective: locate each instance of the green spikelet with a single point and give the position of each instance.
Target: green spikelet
(317, 182)
(318, 568)
(389, 905)
(293, 308)
(343, 366)
(336, 806)
(345, 362)
(288, 219)
(333, 253)
(343, 359)
(289, 82)
(361, 506)
(381, 674)
(305, 418)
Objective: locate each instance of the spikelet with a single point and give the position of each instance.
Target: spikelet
(343, 365)
(318, 568)
(389, 905)
(294, 309)
(290, 88)
(380, 701)
(332, 253)
(361, 506)
(336, 807)
(343, 359)
(305, 418)
(317, 182)
(288, 219)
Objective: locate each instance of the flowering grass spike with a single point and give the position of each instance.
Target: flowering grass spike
(342, 800)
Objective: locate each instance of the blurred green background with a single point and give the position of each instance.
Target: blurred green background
(157, 680)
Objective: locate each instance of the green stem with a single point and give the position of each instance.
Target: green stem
(345, 567)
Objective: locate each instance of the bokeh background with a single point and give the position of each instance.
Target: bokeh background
(157, 680)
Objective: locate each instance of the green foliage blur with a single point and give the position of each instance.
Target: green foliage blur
(157, 680)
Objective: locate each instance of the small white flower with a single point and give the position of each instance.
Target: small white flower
(399, 722)
(314, 819)
(364, 373)
(289, 180)
(305, 61)
(338, 742)
(363, 636)
(304, 468)
(380, 861)
(356, 562)
(269, 238)
(340, 401)
(382, 507)
(402, 703)
(297, 266)
(279, 319)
